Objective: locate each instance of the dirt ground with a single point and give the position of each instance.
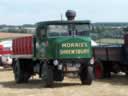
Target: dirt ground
(116, 86)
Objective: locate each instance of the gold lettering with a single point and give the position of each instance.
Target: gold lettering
(64, 45)
(72, 51)
(68, 45)
(76, 44)
(72, 45)
(82, 51)
(85, 44)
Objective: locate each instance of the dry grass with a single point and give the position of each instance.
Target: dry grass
(116, 86)
(12, 35)
(110, 41)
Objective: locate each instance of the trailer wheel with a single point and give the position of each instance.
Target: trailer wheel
(107, 72)
(47, 75)
(18, 73)
(87, 75)
(26, 77)
(98, 70)
(126, 73)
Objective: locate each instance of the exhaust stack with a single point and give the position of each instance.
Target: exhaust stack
(70, 14)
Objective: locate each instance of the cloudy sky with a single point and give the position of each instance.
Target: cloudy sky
(31, 11)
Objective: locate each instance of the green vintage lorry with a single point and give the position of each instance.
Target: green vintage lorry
(55, 46)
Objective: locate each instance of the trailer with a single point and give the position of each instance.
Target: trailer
(55, 46)
(111, 58)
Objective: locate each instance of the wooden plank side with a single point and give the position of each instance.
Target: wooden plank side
(108, 53)
(114, 53)
(100, 53)
(23, 46)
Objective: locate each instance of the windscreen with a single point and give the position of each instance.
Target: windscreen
(68, 30)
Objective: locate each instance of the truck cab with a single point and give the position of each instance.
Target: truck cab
(65, 43)
(56, 46)
(63, 40)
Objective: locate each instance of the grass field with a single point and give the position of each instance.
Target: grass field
(115, 86)
(12, 35)
(104, 41)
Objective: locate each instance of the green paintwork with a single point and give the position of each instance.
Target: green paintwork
(63, 47)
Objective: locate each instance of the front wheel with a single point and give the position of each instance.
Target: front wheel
(87, 75)
(47, 75)
(58, 75)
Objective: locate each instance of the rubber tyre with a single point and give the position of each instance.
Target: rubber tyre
(87, 76)
(26, 77)
(98, 70)
(58, 74)
(47, 75)
(18, 73)
(107, 73)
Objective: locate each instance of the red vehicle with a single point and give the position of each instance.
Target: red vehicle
(5, 56)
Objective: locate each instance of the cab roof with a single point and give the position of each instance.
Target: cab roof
(39, 24)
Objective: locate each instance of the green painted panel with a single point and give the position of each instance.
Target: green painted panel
(65, 48)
